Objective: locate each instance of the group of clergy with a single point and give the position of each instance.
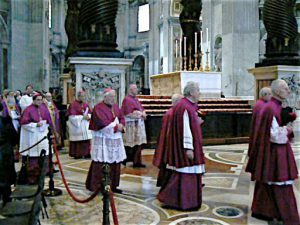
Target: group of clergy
(24, 120)
(271, 160)
(107, 134)
(179, 155)
(112, 135)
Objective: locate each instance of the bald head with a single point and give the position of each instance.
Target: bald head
(280, 89)
(265, 93)
(176, 98)
(48, 96)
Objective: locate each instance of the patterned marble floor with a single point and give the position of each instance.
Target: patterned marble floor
(227, 194)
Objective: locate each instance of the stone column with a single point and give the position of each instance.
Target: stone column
(239, 42)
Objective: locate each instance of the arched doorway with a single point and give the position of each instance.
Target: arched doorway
(138, 71)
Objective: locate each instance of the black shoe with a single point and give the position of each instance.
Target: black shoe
(87, 157)
(117, 190)
(124, 163)
(55, 171)
(203, 185)
(139, 165)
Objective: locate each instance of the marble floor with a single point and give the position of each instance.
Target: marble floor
(227, 194)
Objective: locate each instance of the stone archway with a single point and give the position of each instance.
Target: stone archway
(138, 71)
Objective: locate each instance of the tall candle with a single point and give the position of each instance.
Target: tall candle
(207, 37)
(184, 46)
(195, 42)
(180, 48)
(201, 39)
(176, 48)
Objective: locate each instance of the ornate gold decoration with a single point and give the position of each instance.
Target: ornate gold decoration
(207, 63)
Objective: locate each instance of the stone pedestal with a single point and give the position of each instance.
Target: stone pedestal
(171, 83)
(265, 75)
(95, 74)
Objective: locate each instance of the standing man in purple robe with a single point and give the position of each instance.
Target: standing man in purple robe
(184, 156)
(34, 127)
(160, 155)
(80, 136)
(135, 135)
(273, 167)
(265, 95)
(107, 125)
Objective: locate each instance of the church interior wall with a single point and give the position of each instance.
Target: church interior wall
(4, 43)
(242, 43)
(58, 40)
(28, 52)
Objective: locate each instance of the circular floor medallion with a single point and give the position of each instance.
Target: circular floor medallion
(228, 212)
(197, 221)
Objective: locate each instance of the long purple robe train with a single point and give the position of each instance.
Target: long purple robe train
(272, 163)
(183, 190)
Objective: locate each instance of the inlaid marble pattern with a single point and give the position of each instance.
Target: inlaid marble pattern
(227, 187)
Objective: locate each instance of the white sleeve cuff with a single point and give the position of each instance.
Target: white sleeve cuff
(279, 135)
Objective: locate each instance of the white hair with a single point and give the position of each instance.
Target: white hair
(264, 91)
(176, 98)
(189, 88)
(276, 85)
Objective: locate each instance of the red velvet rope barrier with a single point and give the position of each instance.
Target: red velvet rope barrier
(113, 208)
(111, 196)
(66, 184)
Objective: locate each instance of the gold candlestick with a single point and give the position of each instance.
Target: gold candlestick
(201, 64)
(184, 63)
(190, 58)
(207, 64)
(176, 64)
(196, 62)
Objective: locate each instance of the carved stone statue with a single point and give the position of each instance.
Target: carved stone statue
(190, 23)
(218, 56)
(281, 27)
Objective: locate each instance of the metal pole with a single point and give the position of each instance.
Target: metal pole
(105, 192)
(51, 191)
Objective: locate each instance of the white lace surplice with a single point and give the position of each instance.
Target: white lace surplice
(108, 146)
(31, 134)
(79, 128)
(135, 132)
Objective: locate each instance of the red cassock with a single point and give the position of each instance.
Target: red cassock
(255, 130)
(102, 116)
(79, 148)
(271, 162)
(182, 190)
(159, 159)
